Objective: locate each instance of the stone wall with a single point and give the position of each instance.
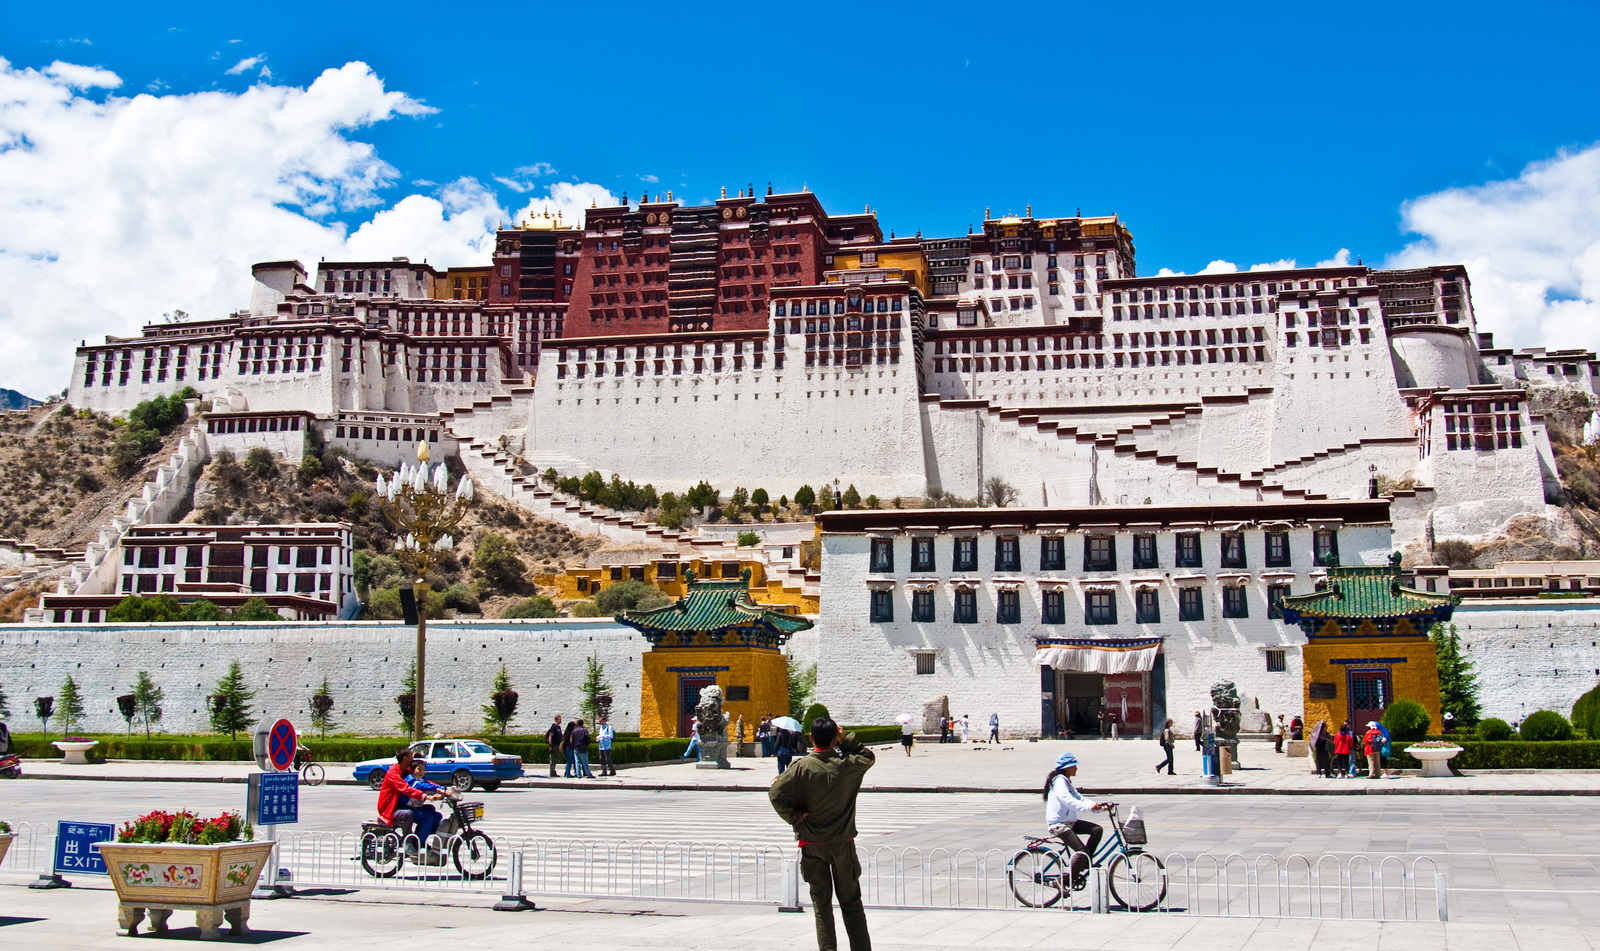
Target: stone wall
(1531, 655)
(364, 662)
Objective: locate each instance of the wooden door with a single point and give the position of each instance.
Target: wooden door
(689, 690)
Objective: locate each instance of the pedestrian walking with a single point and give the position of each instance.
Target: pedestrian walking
(566, 747)
(1199, 731)
(694, 737)
(738, 750)
(966, 726)
(1343, 744)
(1105, 723)
(1373, 741)
(818, 799)
(578, 743)
(1322, 750)
(764, 735)
(785, 748)
(907, 736)
(552, 738)
(994, 727)
(1167, 740)
(608, 735)
(944, 729)
(1277, 734)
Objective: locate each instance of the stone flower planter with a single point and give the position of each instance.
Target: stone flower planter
(1435, 760)
(5, 843)
(213, 881)
(75, 750)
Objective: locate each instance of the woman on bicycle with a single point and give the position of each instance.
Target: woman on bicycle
(1063, 807)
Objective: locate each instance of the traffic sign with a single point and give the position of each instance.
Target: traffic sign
(280, 746)
(273, 798)
(77, 847)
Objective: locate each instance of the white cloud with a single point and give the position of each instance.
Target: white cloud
(265, 74)
(1282, 264)
(1531, 245)
(1169, 272)
(1340, 259)
(518, 181)
(244, 64)
(651, 179)
(114, 212)
(1219, 266)
(569, 199)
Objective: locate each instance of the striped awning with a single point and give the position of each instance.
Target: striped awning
(1098, 656)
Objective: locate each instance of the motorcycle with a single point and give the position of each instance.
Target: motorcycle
(385, 849)
(10, 766)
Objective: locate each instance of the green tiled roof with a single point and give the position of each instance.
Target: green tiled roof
(1368, 593)
(722, 610)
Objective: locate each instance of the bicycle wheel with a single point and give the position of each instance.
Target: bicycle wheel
(1036, 877)
(312, 775)
(1138, 880)
(474, 855)
(381, 855)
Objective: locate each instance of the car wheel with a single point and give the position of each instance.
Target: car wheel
(375, 778)
(490, 787)
(461, 780)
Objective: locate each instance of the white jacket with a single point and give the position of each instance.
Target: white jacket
(1065, 804)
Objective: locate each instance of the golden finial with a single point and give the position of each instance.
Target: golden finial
(422, 451)
(1030, 209)
(985, 212)
(724, 191)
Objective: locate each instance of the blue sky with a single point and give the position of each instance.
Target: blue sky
(1242, 134)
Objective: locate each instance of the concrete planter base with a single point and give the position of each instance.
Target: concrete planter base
(74, 753)
(213, 881)
(5, 843)
(1435, 761)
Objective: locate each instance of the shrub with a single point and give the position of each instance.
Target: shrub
(461, 598)
(749, 539)
(496, 559)
(1585, 710)
(186, 828)
(1573, 754)
(813, 713)
(531, 607)
(310, 468)
(1495, 730)
(256, 609)
(1454, 553)
(1546, 725)
(584, 609)
(1406, 719)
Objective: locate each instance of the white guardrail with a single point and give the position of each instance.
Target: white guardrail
(1350, 886)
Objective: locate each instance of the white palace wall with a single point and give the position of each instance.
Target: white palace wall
(364, 662)
(1531, 655)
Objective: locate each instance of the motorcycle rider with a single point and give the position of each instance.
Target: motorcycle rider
(394, 800)
(428, 817)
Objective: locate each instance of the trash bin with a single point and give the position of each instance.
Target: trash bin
(1224, 760)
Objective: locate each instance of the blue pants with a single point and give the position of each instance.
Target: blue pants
(784, 756)
(572, 763)
(583, 764)
(694, 744)
(766, 745)
(427, 819)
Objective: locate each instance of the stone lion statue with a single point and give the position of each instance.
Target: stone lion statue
(1225, 713)
(713, 730)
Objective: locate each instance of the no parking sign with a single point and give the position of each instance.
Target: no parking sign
(274, 746)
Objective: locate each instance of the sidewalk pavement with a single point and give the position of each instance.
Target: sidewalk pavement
(86, 918)
(1109, 767)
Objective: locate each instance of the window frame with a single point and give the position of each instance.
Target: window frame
(881, 559)
(966, 606)
(1148, 559)
(1191, 603)
(1233, 550)
(1235, 601)
(1280, 539)
(1275, 595)
(919, 544)
(1008, 606)
(1146, 606)
(1053, 606)
(1106, 561)
(882, 606)
(1052, 553)
(965, 553)
(1194, 558)
(922, 606)
(1277, 660)
(1100, 608)
(1320, 553)
(1007, 553)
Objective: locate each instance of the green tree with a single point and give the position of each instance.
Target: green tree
(805, 497)
(259, 463)
(496, 560)
(702, 495)
(1544, 726)
(135, 609)
(69, 709)
(407, 700)
(1458, 683)
(1406, 719)
(147, 699)
(749, 539)
(596, 690)
(852, 498)
(535, 607)
(629, 595)
(584, 609)
(256, 609)
(814, 713)
(802, 686)
(5, 709)
(310, 469)
(230, 704)
(759, 499)
(322, 709)
(201, 610)
(502, 706)
(873, 502)
(739, 499)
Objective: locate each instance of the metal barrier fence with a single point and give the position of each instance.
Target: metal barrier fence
(1234, 885)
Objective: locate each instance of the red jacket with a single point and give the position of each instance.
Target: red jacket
(1374, 741)
(1342, 742)
(393, 794)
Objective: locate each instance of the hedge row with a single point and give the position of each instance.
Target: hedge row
(1514, 754)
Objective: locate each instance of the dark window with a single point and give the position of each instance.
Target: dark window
(1144, 552)
(966, 606)
(922, 606)
(1145, 608)
(1325, 547)
(1275, 595)
(1233, 550)
(739, 693)
(883, 554)
(1054, 607)
(1099, 553)
(1006, 554)
(1234, 603)
(882, 605)
(925, 663)
(1052, 553)
(1009, 610)
(1277, 549)
(966, 554)
(1189, 550)
(1189, 605)
(922, 554)
(1100, 607)
(1275, 662)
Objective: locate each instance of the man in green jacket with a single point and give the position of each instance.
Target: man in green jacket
(817, 796)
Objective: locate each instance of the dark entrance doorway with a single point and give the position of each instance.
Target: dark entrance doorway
(1370, 693)
(689, 689)
(1079, 700)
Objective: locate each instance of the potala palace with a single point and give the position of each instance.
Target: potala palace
(1191, 453)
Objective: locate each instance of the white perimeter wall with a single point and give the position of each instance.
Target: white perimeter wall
(1531, 655)
(364, 662)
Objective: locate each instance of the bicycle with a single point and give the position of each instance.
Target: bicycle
(1039, 873)
(311, 772)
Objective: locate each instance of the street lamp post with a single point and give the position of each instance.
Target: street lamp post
(419, 505)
